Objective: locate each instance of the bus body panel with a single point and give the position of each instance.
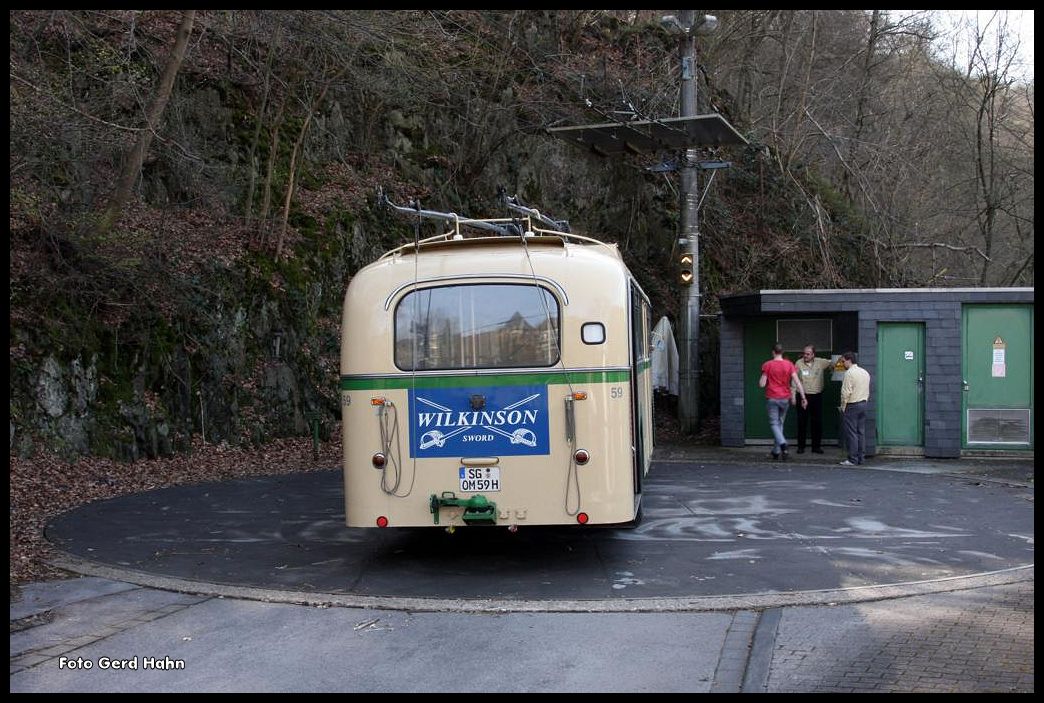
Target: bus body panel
(538, 485)
(533, 488)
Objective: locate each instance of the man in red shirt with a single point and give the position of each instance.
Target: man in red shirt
(776, 375)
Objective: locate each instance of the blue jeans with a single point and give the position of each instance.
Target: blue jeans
(777, 413)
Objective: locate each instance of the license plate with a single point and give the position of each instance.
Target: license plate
(479, 478)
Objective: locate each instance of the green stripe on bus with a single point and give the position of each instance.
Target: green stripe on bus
(361, 383)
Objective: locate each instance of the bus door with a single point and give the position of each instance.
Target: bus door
(639, 359)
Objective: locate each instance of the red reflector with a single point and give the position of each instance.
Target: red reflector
(382, 521)
(379, 460)
(582, 518)
(581, 457)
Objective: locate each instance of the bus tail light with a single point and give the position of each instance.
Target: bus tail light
(382, 521)
(582, 518)
(581, 457)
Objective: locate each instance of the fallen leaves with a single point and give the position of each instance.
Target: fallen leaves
(43, 486)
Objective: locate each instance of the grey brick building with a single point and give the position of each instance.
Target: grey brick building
(951, 368)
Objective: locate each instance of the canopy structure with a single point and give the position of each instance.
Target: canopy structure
(642, 137)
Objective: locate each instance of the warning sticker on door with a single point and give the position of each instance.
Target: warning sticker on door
(999, 369)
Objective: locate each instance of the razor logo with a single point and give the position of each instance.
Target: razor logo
(517, 427)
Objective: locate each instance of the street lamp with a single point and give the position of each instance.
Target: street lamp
(705, 25)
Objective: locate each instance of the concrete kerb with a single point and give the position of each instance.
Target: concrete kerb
(922, 468)
(964, 468)
(739, 601)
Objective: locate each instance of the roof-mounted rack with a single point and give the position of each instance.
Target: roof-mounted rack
(516, 227)
(505, 227)
(514, 203)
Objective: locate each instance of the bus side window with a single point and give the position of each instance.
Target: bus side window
(592, 333)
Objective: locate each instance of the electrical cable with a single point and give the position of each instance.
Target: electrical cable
(572, 474)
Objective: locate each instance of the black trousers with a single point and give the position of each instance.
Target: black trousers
(812, 415)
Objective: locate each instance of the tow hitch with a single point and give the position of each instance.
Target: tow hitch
(477, 509)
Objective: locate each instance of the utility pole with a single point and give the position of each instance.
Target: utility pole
(689, 239)
(675, 134)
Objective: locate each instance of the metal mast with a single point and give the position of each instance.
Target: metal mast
(683, 133)
(688, 371)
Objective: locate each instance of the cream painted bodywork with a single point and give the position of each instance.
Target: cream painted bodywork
(591, 284)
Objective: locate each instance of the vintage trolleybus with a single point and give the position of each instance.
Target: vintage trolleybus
(498, 379)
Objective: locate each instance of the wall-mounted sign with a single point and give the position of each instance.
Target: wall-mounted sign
(999, 369)
(908, 355)
(838, 374)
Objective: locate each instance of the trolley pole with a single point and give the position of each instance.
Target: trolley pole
(688, 372)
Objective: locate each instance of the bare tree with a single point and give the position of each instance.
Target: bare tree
(992, 69)
(136, 156)
(273, 155)
(991, 155)
(294, 153)
(273, 48)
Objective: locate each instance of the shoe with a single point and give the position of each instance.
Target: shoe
(775, 457)
(783, 452)
(801, 450)
(816, 451)
(846, 462)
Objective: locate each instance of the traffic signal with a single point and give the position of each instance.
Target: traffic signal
(686, 268)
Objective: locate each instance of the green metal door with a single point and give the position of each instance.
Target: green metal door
(900, 384)
(998, 377)
(758, 338)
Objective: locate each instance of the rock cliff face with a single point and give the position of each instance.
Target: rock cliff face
(251, 379)
(249, 349)
(255, 360)
(183, 320)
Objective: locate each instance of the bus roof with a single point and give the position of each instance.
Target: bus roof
(455, 242)
(588, 265)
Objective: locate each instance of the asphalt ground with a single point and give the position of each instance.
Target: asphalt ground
(747, 575)
(710, 529)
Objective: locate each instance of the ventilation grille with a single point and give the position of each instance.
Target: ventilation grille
(999, 426)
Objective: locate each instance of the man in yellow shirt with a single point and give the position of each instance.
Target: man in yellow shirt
(855, 392)
(811, 370)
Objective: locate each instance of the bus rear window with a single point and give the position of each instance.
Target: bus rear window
(481, 326)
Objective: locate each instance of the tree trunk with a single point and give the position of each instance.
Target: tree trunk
(252, 158)
(132, 167)
(273, 153)
(293, 162)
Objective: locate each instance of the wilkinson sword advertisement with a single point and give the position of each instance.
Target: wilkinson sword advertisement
(478, 421)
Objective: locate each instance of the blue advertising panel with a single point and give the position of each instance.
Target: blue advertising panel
(478, 421)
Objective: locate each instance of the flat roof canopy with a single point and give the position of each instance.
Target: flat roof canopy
(643, 137)
(856, 299)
